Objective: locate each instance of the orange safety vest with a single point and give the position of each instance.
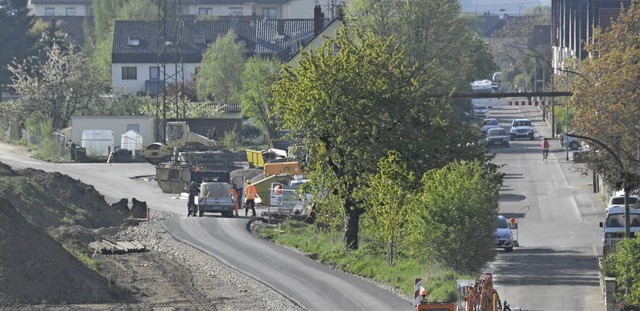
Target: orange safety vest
(250, 192)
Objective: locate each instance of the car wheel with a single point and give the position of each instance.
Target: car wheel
(508, 249)
(574, 145)
(531, 136)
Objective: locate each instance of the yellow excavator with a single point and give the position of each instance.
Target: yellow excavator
(179, 138)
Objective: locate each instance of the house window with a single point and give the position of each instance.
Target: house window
(70, 11)
(133, 41)
(200, 39)
(205, 11)
(49, 11)
(154, 73)
(270, 13)
(235, 11)
(129, 73)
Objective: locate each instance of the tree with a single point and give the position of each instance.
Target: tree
(388, 198)
(455, 216)
(220, 75)
(624, 264)
(15, 22)
(521, 62)
(256, 98)
(431, 33)
(353, 105)
(58, 88)
(606, 98)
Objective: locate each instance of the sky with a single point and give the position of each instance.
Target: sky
(511, 7)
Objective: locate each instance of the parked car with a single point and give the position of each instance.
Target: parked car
(497, 137)
(619, 200)
(613, 226)
(521, 128)
(504, 235)
(573, 143)
(488, 123)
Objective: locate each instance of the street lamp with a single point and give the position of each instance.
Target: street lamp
(628, 180)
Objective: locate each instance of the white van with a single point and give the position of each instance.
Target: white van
(613, 225)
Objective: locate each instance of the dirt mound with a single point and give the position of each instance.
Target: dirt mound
(69, 198)
(34, 268)
(46, 221)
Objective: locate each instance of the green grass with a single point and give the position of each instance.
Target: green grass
(83, 257)
(368, 261)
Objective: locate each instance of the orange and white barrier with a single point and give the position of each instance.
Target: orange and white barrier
(526, 103)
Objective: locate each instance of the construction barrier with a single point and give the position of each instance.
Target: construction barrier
(526, 103)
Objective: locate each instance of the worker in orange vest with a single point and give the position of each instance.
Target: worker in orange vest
(234, 197)
(250, 194)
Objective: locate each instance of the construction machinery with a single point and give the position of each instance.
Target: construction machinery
(476, 296)
(179, 139)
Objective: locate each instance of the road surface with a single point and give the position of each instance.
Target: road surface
(302, 280)
(556, 266)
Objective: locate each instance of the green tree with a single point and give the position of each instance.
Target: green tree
(624, 265)
(431, 33)
(57, 88)
(256, 98)
(352, 105)
(220, 75)
(15, 23)
(606, 98)
(455, 215)
(520, 61)
(388, 197)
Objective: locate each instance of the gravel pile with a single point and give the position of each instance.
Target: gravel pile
(205, 268)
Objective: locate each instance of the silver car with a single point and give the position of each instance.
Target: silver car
(504, 235)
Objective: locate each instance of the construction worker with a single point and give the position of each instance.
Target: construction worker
(191, 205)
(250, 194)
(234, 197)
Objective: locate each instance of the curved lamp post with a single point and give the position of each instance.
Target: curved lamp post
(626, 179)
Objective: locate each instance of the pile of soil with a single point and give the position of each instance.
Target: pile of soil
(35, 268)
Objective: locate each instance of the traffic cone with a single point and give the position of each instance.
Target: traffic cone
(148, 214)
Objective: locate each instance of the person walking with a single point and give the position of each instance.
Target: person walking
(234, 197)
(250, 194)
(191, 205)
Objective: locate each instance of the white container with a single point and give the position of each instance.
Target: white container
(131, 140)
(98, 143)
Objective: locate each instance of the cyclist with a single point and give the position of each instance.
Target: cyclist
(544, 144)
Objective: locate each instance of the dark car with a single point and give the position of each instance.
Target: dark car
(497, 137)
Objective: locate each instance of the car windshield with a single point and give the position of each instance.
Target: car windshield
(490, 122)
(620, 200)
(521, 123)
(497, 132)
(617, 220)
(502, 223)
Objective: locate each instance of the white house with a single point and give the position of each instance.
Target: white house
(61, 7)
(137, 64)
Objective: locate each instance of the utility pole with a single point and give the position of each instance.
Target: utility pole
(170, 62)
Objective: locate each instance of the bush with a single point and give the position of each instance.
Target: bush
(250, 131)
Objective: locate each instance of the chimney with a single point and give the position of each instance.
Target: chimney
(318, 19)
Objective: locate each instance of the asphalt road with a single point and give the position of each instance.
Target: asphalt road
(555, 267)
(309, 284)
